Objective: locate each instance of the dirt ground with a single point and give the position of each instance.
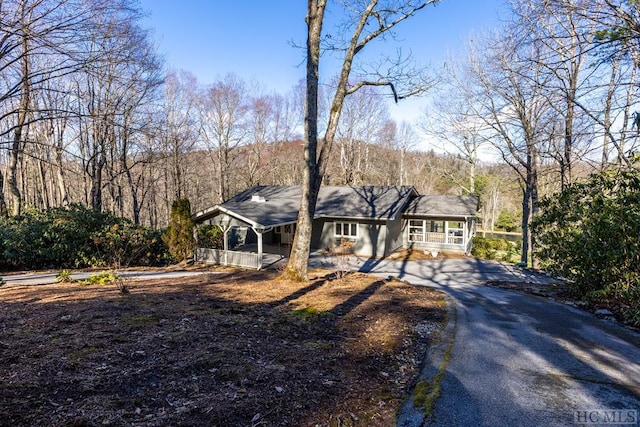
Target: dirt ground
(222, 349)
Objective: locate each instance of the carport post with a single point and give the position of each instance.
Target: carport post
(259, 250)
(226, 244)
(259, 231)
(225, 225)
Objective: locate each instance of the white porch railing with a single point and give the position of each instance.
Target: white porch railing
(444, 239)
(234, 258)
(436, 237)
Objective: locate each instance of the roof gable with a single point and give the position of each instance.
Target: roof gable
(266, 205)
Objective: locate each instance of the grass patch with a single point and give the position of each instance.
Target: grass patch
(309, 312)
(102, 278)
(138, 320)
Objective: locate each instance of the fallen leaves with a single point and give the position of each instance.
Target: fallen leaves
(232, 349)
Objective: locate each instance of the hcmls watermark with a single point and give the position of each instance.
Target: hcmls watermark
(606, 417)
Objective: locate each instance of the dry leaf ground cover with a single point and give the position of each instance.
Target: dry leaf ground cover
(221, 349)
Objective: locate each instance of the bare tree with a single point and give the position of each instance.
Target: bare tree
(563, 39)
(510, 102)
(270, 120)
(451, 124)
(361, 124)
(39, 41)
(177, 133)
(223, 128)
(366, 21)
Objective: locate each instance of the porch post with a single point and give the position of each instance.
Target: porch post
(259, 233)
(226, 244)
(465, 234)
(195, 243)
(446, 232)
(225, 226)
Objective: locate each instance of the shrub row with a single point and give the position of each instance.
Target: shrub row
(590, 233)
(488, 248)
(76, 237)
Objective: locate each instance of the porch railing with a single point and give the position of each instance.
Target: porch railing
(234, 258)
(444, 239)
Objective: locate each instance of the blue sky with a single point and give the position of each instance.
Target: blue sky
(253, 38)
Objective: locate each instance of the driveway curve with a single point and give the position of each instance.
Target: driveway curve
(520, 359)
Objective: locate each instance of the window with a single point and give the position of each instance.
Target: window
(436, 226)
(286, 229)
(346, 229)
(416, 230)
(456, 232)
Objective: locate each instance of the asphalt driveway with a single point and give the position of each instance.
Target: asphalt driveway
(48, 278)
(519, 359)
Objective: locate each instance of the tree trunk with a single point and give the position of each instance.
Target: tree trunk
(14, 191)
(297, 267)
(62, 185)
(21, 126)
(526, 214)
(3, 204)
(96, 183)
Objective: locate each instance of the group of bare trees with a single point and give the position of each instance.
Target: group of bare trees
(77, 80)
(89, 115)
(553, 93)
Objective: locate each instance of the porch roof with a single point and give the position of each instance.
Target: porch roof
(443, 206)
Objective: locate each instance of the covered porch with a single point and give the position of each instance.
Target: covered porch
(245, 243)
(245, 256)
(440, 234)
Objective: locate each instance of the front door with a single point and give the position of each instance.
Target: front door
(286, 233)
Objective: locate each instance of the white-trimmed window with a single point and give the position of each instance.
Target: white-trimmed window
(456, 232)
(346, 229)
(436, 226)
(416, 230)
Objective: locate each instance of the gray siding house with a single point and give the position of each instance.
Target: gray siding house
(378, 220)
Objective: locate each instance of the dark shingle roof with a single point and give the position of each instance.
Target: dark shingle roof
(366, 202)
(461, 206)
(279, 204)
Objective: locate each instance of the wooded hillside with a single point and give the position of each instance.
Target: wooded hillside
(89, 114)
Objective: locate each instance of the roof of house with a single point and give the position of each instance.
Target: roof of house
(459, 206)
(273, 205)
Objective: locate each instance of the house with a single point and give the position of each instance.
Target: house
(261, 221)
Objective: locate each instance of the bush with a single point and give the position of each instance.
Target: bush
(210, 236)
(487, 248)
(589, 233)
(179, 233)
(75, 237)
(102, 278)
(65, 276)
(508, 221)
